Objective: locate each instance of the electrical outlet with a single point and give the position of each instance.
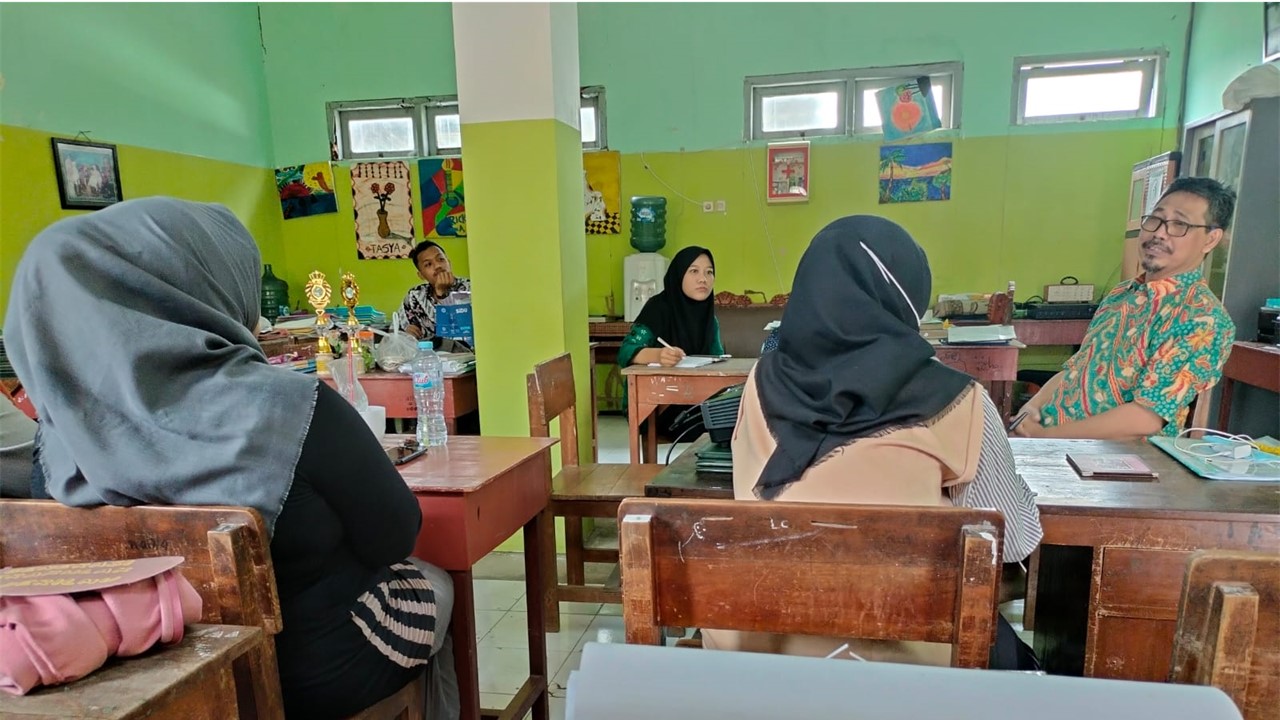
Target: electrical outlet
(720, 206)
(708, 206)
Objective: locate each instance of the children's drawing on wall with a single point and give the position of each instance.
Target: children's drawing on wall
(602, 192)
(915, 173)
(788, 172)
(306, 190)
(382, 201)
(444, 211)
(907, 109)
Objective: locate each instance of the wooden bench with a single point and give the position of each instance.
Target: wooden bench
(226, 560)
(577, 491)
(1229, 629)
(859, 571)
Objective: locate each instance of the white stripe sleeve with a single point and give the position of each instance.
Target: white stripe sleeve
(997, 485)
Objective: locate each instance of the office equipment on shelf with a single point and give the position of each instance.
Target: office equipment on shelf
(1068, 292)
(1061, 311)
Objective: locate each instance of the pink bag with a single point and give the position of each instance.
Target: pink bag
(58, 623)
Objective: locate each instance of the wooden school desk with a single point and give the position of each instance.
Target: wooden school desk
(394, 391)
(474, 494)
(1250, 363)
(1114, 553)
(649, 387)
(1051, 332)
(995, 366)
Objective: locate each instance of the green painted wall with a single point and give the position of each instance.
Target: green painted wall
(1226, 40)
(675, 102)
(29, 192)
(322, 52)
(673, 72)
(181, 77)
(178, 87)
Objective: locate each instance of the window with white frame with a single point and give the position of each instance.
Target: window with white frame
(1081, 88)
(839, 102)
(427, 126)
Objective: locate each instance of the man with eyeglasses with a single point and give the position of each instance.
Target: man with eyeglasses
(1156, 341)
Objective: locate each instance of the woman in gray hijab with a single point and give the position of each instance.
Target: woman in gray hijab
(130, 329)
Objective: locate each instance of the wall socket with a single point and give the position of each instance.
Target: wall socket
(720, 206)
(708, 206)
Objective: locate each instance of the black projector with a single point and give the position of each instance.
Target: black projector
(720, 413)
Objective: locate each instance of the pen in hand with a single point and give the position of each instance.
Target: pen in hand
(1013, 425)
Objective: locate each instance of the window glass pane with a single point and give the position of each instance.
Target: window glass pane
(809, 111)
(448, 132)
(386, 135)
(1084, 94)
(587, 119)
(871, 111)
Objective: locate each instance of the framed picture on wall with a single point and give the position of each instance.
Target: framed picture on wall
(1270, 31)
(88, 174)
(788, 172)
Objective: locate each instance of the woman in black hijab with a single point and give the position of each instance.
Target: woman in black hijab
(853, 407)
(680, 320)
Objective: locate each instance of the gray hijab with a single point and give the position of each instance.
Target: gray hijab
(130, 329)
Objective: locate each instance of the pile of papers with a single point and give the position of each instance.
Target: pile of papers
(980, 335)
(457, 363)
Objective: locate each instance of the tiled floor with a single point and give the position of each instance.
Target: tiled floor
(501, 629)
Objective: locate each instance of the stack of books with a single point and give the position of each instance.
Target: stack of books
(715, 458)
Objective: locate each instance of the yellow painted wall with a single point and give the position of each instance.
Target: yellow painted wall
(328, 243)
(1029, 208)
(29, 192)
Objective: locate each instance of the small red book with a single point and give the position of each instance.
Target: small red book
(1101, 465)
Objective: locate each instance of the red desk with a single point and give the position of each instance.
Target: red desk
(474, 494)
(1051, 332)
(394, 391)
(995, 366)
(650, 387)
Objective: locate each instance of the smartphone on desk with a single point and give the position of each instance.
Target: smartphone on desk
(401, 454)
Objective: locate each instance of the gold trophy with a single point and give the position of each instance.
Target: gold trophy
(350, 296)
(318, 293)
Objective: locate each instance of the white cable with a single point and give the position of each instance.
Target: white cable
(764, 221)
(664, 183)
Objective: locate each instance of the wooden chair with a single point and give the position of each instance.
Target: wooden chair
(577, 491)
(860, 571)
(1229, 629)
(227, 561)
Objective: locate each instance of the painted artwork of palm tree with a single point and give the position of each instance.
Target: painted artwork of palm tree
(915, 173)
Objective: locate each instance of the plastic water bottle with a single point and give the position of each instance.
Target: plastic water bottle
(428, 394)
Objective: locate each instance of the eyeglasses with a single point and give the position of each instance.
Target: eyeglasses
(1175, 228)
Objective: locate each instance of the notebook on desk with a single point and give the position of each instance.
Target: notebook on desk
(1091, 465)
(694, 361)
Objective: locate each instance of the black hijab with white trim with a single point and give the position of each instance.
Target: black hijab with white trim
(850, 361)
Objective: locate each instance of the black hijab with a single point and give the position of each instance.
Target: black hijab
(850, 360)
(677, 318)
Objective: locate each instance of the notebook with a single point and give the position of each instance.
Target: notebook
(1103, 465)
(693, 361)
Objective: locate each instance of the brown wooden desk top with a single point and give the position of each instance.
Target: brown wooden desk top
(131, 687)
(726, 368)
(467, 463)
(1059, 489)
